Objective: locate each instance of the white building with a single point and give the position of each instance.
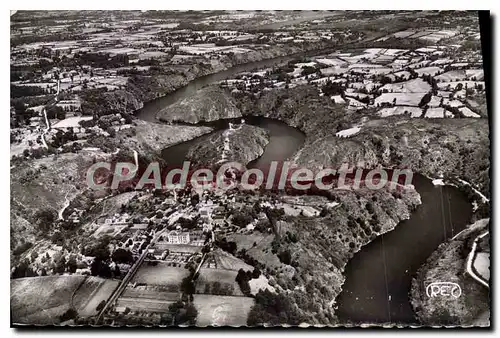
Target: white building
(177, 237)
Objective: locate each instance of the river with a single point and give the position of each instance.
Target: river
(378, 277)
(150, 109)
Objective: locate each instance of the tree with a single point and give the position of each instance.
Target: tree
(191, 314)
(273, 309)
(241, 219)
(71, 264)
(101, 305)
(100, 268)
(61, 265)
(425, 100)
(122, 256)
(187, 285)
(180, 313)
(55, 112)
(45, 219)
(69, 314)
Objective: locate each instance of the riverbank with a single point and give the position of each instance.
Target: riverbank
(141, 91)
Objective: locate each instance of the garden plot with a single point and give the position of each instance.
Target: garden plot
(412, 86)
(222, 310)
(403, 99)
(161, 274)
(400, 110)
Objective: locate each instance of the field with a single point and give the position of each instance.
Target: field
(412, 86)
(227, 279)
(41, 300)
(71, 122)
(91, 293)
(405, 99)
(144, 304)
(452, 75)
(427, 70)
(468, 113)
(398, 110)
(222, 310)
(227, 261)
(160, 274)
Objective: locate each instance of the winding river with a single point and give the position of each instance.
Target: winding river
(378, 277)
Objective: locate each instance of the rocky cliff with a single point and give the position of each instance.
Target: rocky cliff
(208, 104)
(433, 147)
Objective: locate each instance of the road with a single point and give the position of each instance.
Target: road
(130, 274)
(47, 123)
(470, 261)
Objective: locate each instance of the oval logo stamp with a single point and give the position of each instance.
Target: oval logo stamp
(443, 289)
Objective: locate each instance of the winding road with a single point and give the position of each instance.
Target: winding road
(472, 257)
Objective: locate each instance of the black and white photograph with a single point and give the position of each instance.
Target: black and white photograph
(250, 168)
